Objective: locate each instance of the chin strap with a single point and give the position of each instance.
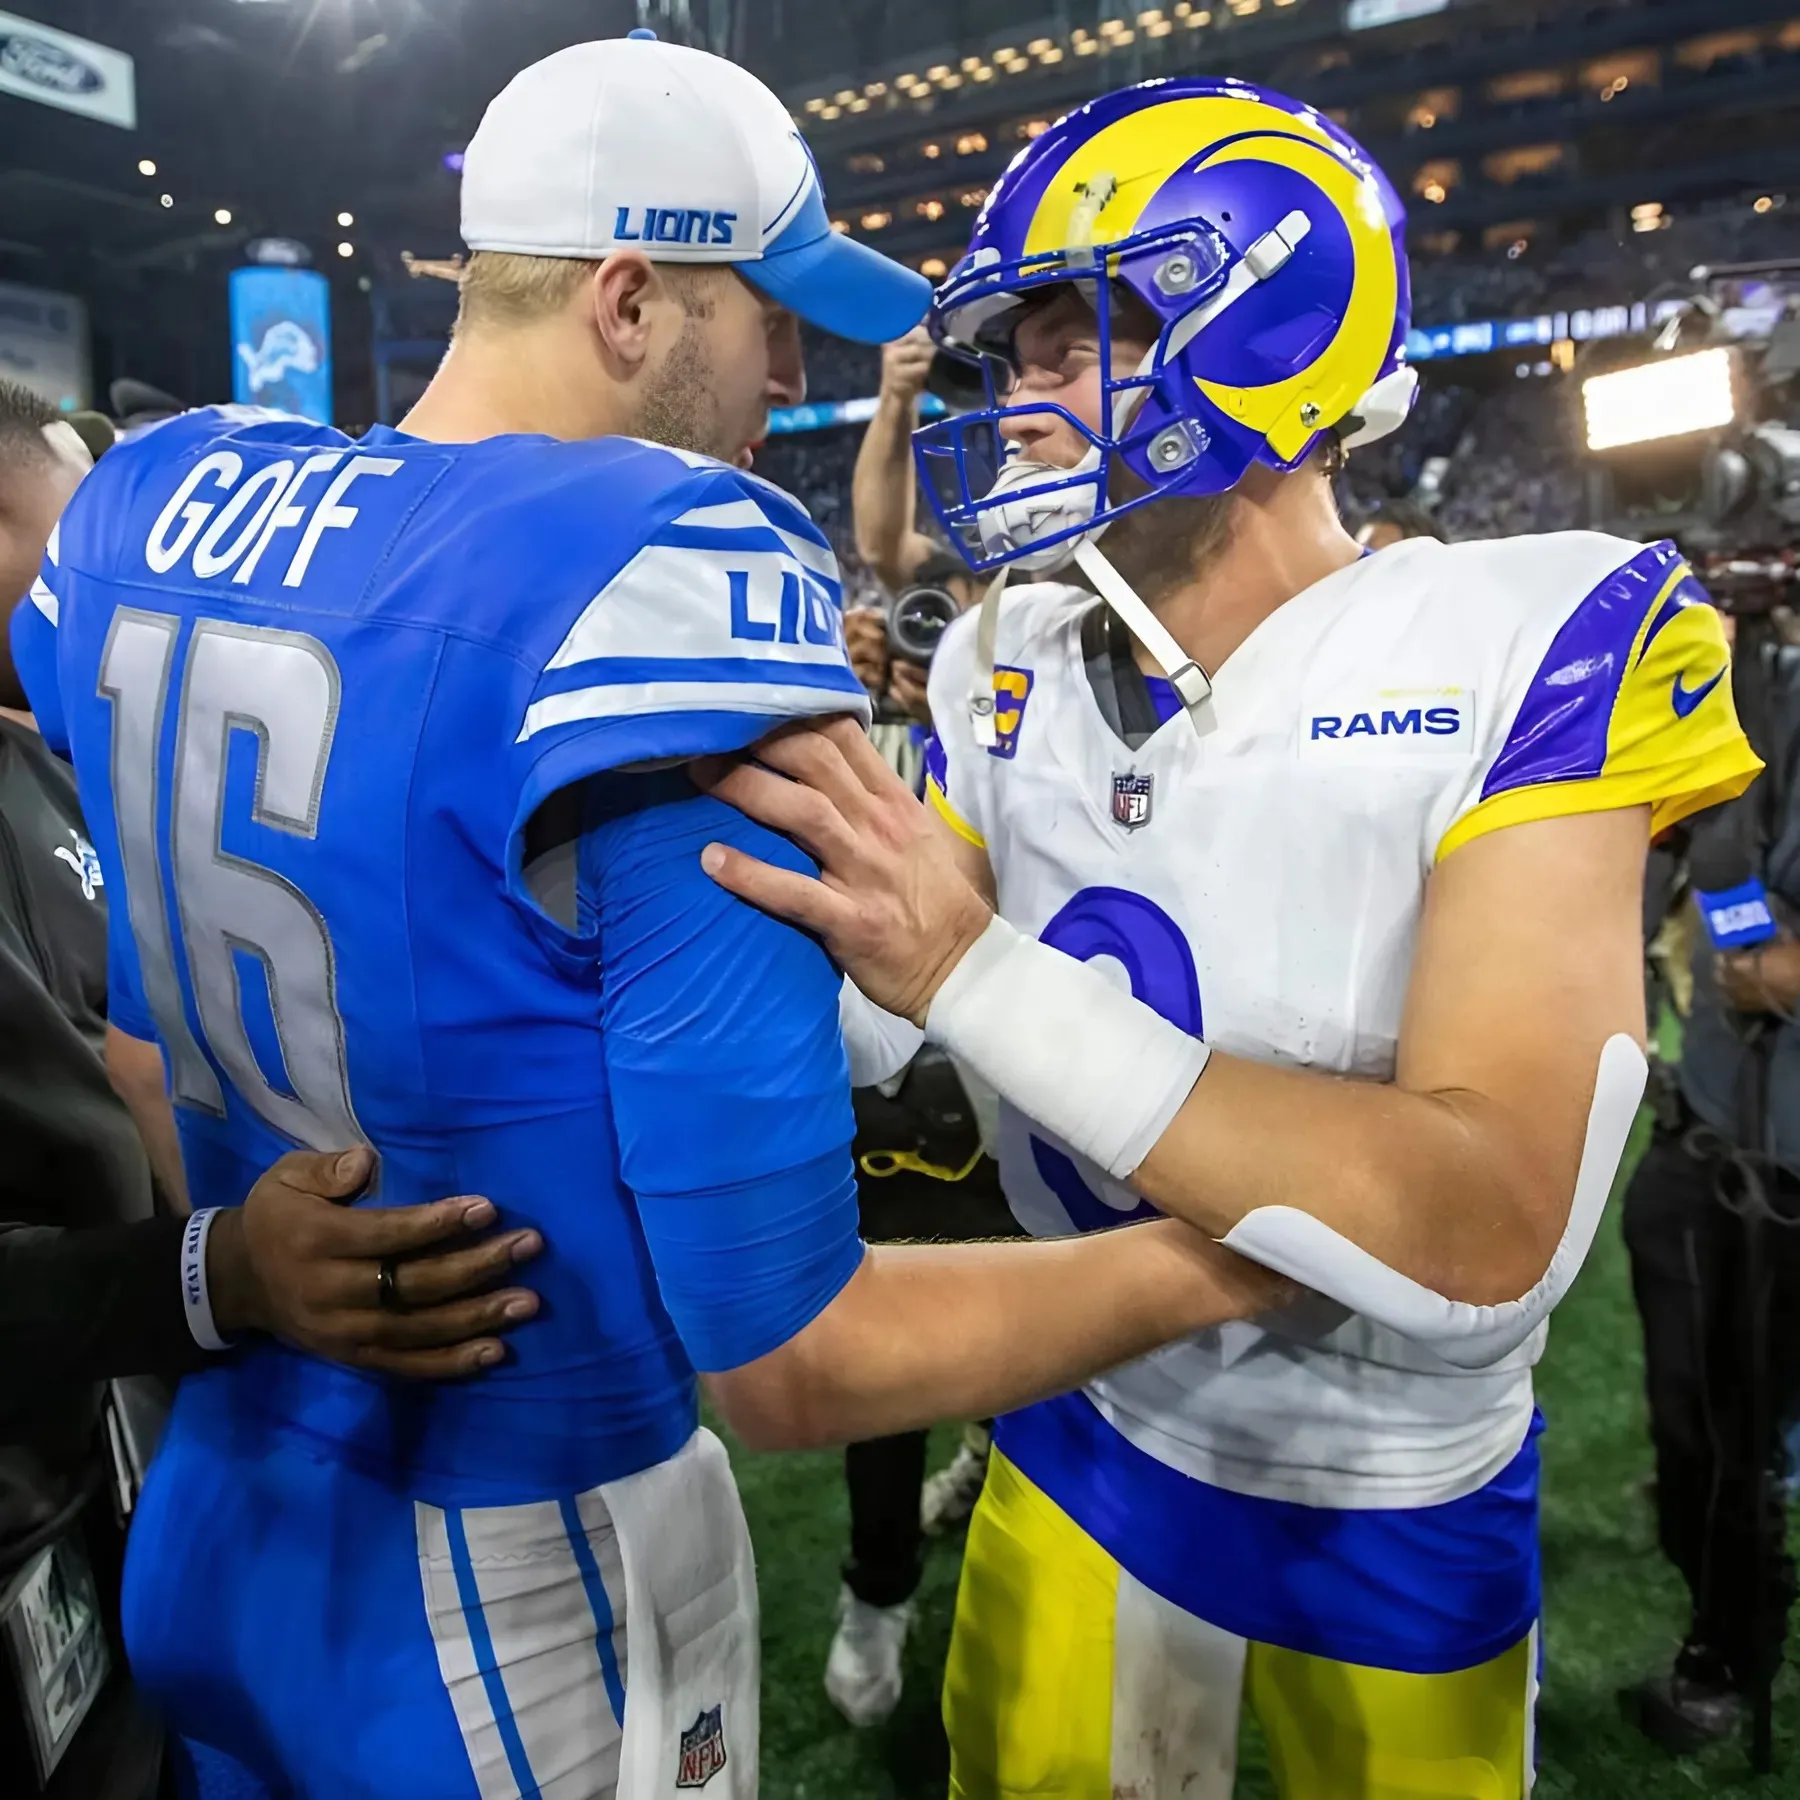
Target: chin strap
(981, 684)
(1185, 675)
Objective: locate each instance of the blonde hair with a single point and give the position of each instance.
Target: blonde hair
(500, 287)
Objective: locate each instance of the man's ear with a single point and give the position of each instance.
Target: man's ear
(624, 295)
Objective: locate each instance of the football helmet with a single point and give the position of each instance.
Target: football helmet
(1269, 252)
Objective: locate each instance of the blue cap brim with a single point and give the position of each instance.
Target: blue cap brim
(842, 287)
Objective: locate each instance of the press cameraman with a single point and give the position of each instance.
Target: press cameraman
(1712, 1222)
(922, 1171)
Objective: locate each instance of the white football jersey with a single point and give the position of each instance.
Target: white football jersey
(1262, 886)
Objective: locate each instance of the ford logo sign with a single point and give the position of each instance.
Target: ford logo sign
(47, 65)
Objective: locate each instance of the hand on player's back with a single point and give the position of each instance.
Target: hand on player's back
(298, 1261)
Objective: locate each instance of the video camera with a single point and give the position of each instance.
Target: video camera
(1696, 435)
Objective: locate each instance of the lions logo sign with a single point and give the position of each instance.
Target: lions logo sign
(702, 1750)
(281, 332)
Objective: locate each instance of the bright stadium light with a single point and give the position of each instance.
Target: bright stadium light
(221, 215)
(146, 167)
(345, 218)
(1662, 399)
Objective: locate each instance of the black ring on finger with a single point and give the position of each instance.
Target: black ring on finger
(387, 1286)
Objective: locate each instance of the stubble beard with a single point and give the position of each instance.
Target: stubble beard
(1169, 544)
(681, 405)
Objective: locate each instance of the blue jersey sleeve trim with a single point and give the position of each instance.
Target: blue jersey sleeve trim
(728, 671)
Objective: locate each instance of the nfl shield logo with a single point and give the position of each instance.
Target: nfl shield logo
(702, 1750)
(1131, 799)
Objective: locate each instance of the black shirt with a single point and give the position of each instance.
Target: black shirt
(69, 1151)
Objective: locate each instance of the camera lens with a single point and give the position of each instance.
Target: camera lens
(918, 621)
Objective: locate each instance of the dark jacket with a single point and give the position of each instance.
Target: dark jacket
(69, 1152)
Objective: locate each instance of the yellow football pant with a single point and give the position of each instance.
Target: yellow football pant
(1066, 1677)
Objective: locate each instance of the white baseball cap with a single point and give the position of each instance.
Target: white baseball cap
(629, 143)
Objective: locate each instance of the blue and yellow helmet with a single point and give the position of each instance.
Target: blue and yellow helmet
(1270, 252)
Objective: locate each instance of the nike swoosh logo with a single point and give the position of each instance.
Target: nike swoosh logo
(1684, 700)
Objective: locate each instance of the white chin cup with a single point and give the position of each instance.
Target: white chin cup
(1025, 515)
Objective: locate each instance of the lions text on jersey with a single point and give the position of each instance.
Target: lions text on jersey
(1312, 1486)
(318, 693)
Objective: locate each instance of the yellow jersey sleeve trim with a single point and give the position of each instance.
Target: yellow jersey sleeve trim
(1673, 793)
(941, 806)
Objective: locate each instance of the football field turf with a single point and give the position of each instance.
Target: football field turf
(1613, 1608)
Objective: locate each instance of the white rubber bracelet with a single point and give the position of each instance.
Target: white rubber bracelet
(194, 1296)
(1053, 1036)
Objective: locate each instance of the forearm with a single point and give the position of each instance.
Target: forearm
(82, 1306)
(882, 500)
(1434, 1185)
(962, 1331)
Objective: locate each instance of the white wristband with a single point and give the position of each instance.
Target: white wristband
(1053, 1036)
(194, 1296)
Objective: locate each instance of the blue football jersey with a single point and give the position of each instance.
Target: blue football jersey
(318, 692)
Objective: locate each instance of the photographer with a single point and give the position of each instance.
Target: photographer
(1712, 1222)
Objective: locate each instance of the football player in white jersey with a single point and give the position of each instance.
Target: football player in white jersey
(1289, 891)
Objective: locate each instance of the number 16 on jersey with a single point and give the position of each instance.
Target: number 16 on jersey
(283, 688)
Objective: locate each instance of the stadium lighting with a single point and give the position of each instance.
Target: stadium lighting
(1662, 399)
(1038, 46)
(1647, 215)
(841, 227)
(932, 151)
(816, 103)
(1762, 203)
(146, 167)
(984, 73)
(843, 96)
(346, 219)
(1195, 20)
(346, 249)
(876, 221)
(1085, 46)
(858, 105)
(929, 209)
(222, 215)
(1152, 17)
(970, 64)
(1160, 29)
(933, 266)
(937, 72)
(1052, 55)
(828, 113)
(166, 199)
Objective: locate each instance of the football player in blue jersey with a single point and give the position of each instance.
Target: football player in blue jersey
(381, 742)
